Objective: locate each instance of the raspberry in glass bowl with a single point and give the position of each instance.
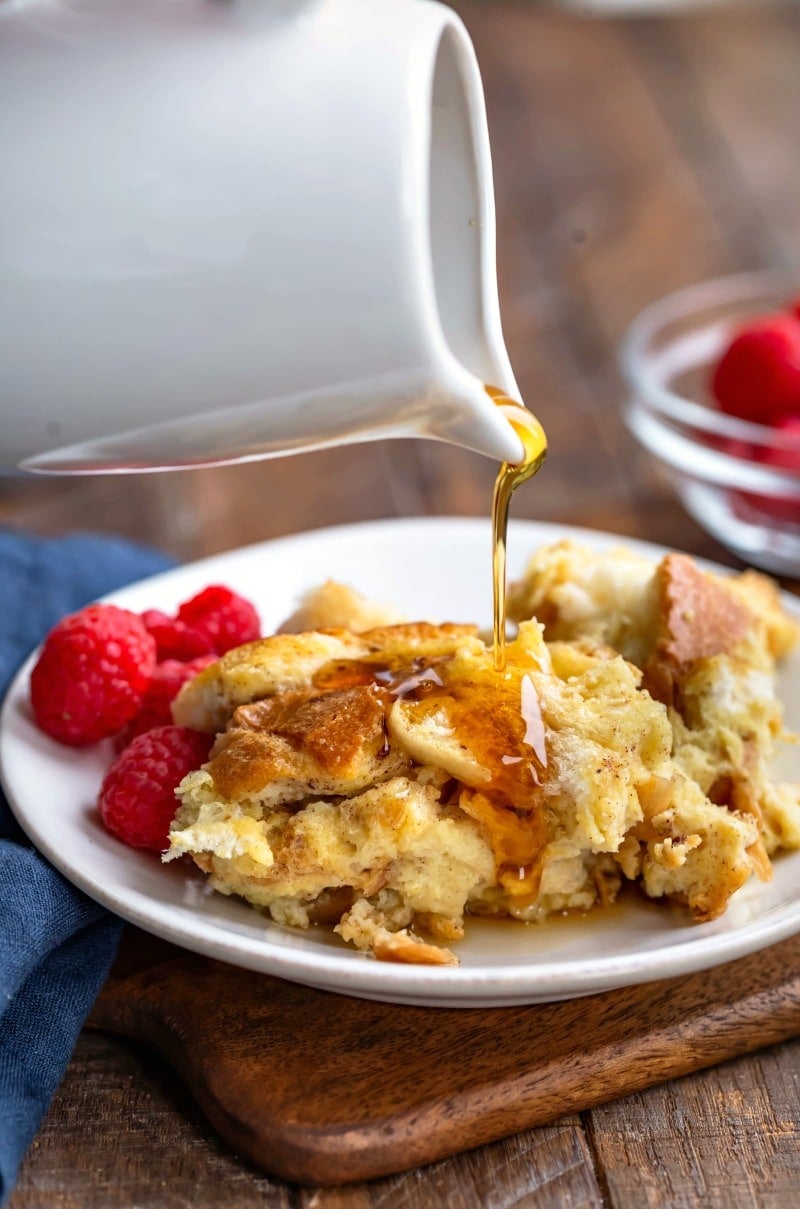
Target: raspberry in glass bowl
(732, 343)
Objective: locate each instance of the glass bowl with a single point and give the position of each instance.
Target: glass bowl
(740, 481)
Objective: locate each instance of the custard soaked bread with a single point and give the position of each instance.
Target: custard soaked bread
(391, 781)
(708, 648)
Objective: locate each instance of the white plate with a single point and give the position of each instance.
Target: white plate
(430, 568)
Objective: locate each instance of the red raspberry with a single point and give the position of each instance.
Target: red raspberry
(174, 639)
(223, 617)
(137, 798)
(758, 377)
(168, 677)
(91, 674)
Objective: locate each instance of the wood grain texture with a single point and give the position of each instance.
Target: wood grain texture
(366, 1089)
(631, 157)
(125, 1132)
(546, 1168)
(730, 1136)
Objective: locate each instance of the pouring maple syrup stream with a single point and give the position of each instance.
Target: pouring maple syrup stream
(509, 477)
(511, 749)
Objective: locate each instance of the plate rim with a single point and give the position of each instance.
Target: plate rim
(354, 973)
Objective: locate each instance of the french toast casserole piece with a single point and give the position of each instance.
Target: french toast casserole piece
(390, 781)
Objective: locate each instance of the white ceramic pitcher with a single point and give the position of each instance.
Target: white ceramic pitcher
(231, 229)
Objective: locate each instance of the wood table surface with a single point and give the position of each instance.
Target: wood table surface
(632, 156)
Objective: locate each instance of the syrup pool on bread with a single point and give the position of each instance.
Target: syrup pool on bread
(509, 477)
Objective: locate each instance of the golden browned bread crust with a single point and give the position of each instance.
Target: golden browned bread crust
(698, 617)
(391, 781)
(289, 662)
(708, 647)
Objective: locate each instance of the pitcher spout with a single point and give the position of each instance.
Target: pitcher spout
(466, 414)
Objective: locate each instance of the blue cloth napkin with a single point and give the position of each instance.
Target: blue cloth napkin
(56, 945)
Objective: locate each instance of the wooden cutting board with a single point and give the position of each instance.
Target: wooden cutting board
(319, 1088)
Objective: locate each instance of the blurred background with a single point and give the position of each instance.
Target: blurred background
(638, 148)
